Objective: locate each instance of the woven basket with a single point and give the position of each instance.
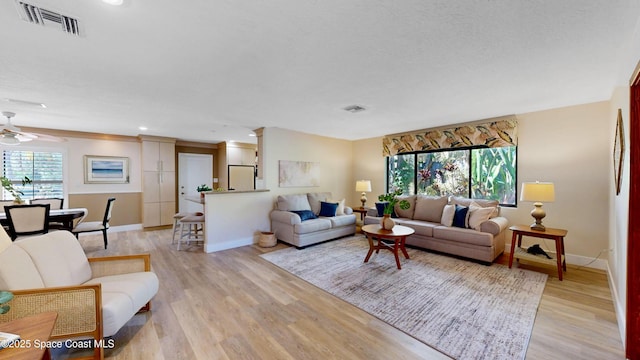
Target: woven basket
(267, 239)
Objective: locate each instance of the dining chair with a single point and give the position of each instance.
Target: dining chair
(27, 220)
(55, 203)
(91, 226)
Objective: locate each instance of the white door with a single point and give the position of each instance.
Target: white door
(193, 170)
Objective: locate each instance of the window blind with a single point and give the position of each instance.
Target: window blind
(42, 167)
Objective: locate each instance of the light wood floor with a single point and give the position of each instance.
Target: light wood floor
(234, 305)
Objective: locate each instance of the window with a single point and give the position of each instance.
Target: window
(42, 167)
(477, 173)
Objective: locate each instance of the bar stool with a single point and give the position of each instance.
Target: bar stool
(191, 229)
(176, 227)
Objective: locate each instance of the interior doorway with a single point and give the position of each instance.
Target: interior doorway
(193, 170)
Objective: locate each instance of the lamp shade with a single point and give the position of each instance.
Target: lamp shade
(363, 185)
(537, 192)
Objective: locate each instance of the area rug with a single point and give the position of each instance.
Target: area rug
(461, 308)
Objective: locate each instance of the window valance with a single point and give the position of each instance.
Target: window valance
(496, 132)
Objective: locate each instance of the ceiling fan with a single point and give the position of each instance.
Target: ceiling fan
(12, 135)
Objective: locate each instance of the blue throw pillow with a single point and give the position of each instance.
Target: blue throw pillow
(460, 217)
(328, 209)
(380, 208)
(305, 214)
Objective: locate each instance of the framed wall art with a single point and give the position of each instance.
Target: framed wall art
(618, 152)
(299, 173)
(106, 169)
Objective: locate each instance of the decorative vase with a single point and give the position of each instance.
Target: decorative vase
(387, 222)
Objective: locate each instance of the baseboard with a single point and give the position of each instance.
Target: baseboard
(581, 261)
(219, 246)
(114, 229)
(620, 314)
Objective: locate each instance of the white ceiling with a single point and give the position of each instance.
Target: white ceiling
(212, 70)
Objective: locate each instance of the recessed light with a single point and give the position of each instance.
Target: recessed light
(142, 128)
(252, 134)
(113, 2)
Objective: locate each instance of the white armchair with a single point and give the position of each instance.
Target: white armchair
(93, 297)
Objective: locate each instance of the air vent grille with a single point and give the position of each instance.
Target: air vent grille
(47, 18)
(354, 108)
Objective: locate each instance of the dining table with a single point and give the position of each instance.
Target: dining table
(61, 216)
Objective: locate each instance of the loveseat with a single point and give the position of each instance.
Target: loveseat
(93, 297)
(459, 226)
(306, 219)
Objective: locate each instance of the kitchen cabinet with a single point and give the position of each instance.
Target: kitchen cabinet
(159, 181)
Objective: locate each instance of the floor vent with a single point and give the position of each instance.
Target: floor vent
(47, 18)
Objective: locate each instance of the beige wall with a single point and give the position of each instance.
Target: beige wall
(126, 209)
(569, 146)
(335, 157)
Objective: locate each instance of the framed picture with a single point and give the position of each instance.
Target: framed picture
(106, 169)
(618, 152)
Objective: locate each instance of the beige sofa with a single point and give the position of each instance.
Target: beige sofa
(93, 297)
(289, 224)
(482, 236)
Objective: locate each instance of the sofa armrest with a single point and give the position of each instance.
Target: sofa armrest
(494, 226)
(116, 265)
(286, 217)
(372, 212)
(79, 309)
(348, 210)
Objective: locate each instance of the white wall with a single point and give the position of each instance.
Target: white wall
(80, 147)
(74, 150)
(619, 212)
(569, 146)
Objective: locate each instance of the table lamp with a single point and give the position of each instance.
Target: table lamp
(537, 192)
(365, 187)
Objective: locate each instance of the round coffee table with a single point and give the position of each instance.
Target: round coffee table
(398, 235)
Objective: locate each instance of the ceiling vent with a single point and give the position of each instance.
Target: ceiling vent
(354, 108)
(48, 18)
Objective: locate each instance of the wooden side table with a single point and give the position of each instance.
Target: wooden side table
(556, 235)
(31, 328)
(398, 235)
(362, 211)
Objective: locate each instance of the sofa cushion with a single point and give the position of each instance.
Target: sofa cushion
(315, 199)
(328, 209)
(305, 214)
(68, 267)
(460, 216)
(481, 202)
(478, 215)
(314, 225)
(447, 215)
(429, 208)
(380, 209)
(467, 236)
(411, 199)
(293, 202)
(421, 227)
(17, 270)
(122, 296)
(342, 220)
(340, 209)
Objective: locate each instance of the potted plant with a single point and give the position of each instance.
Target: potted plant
(202, 188)
(5, 297)
(8, 185)
(391, 200)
